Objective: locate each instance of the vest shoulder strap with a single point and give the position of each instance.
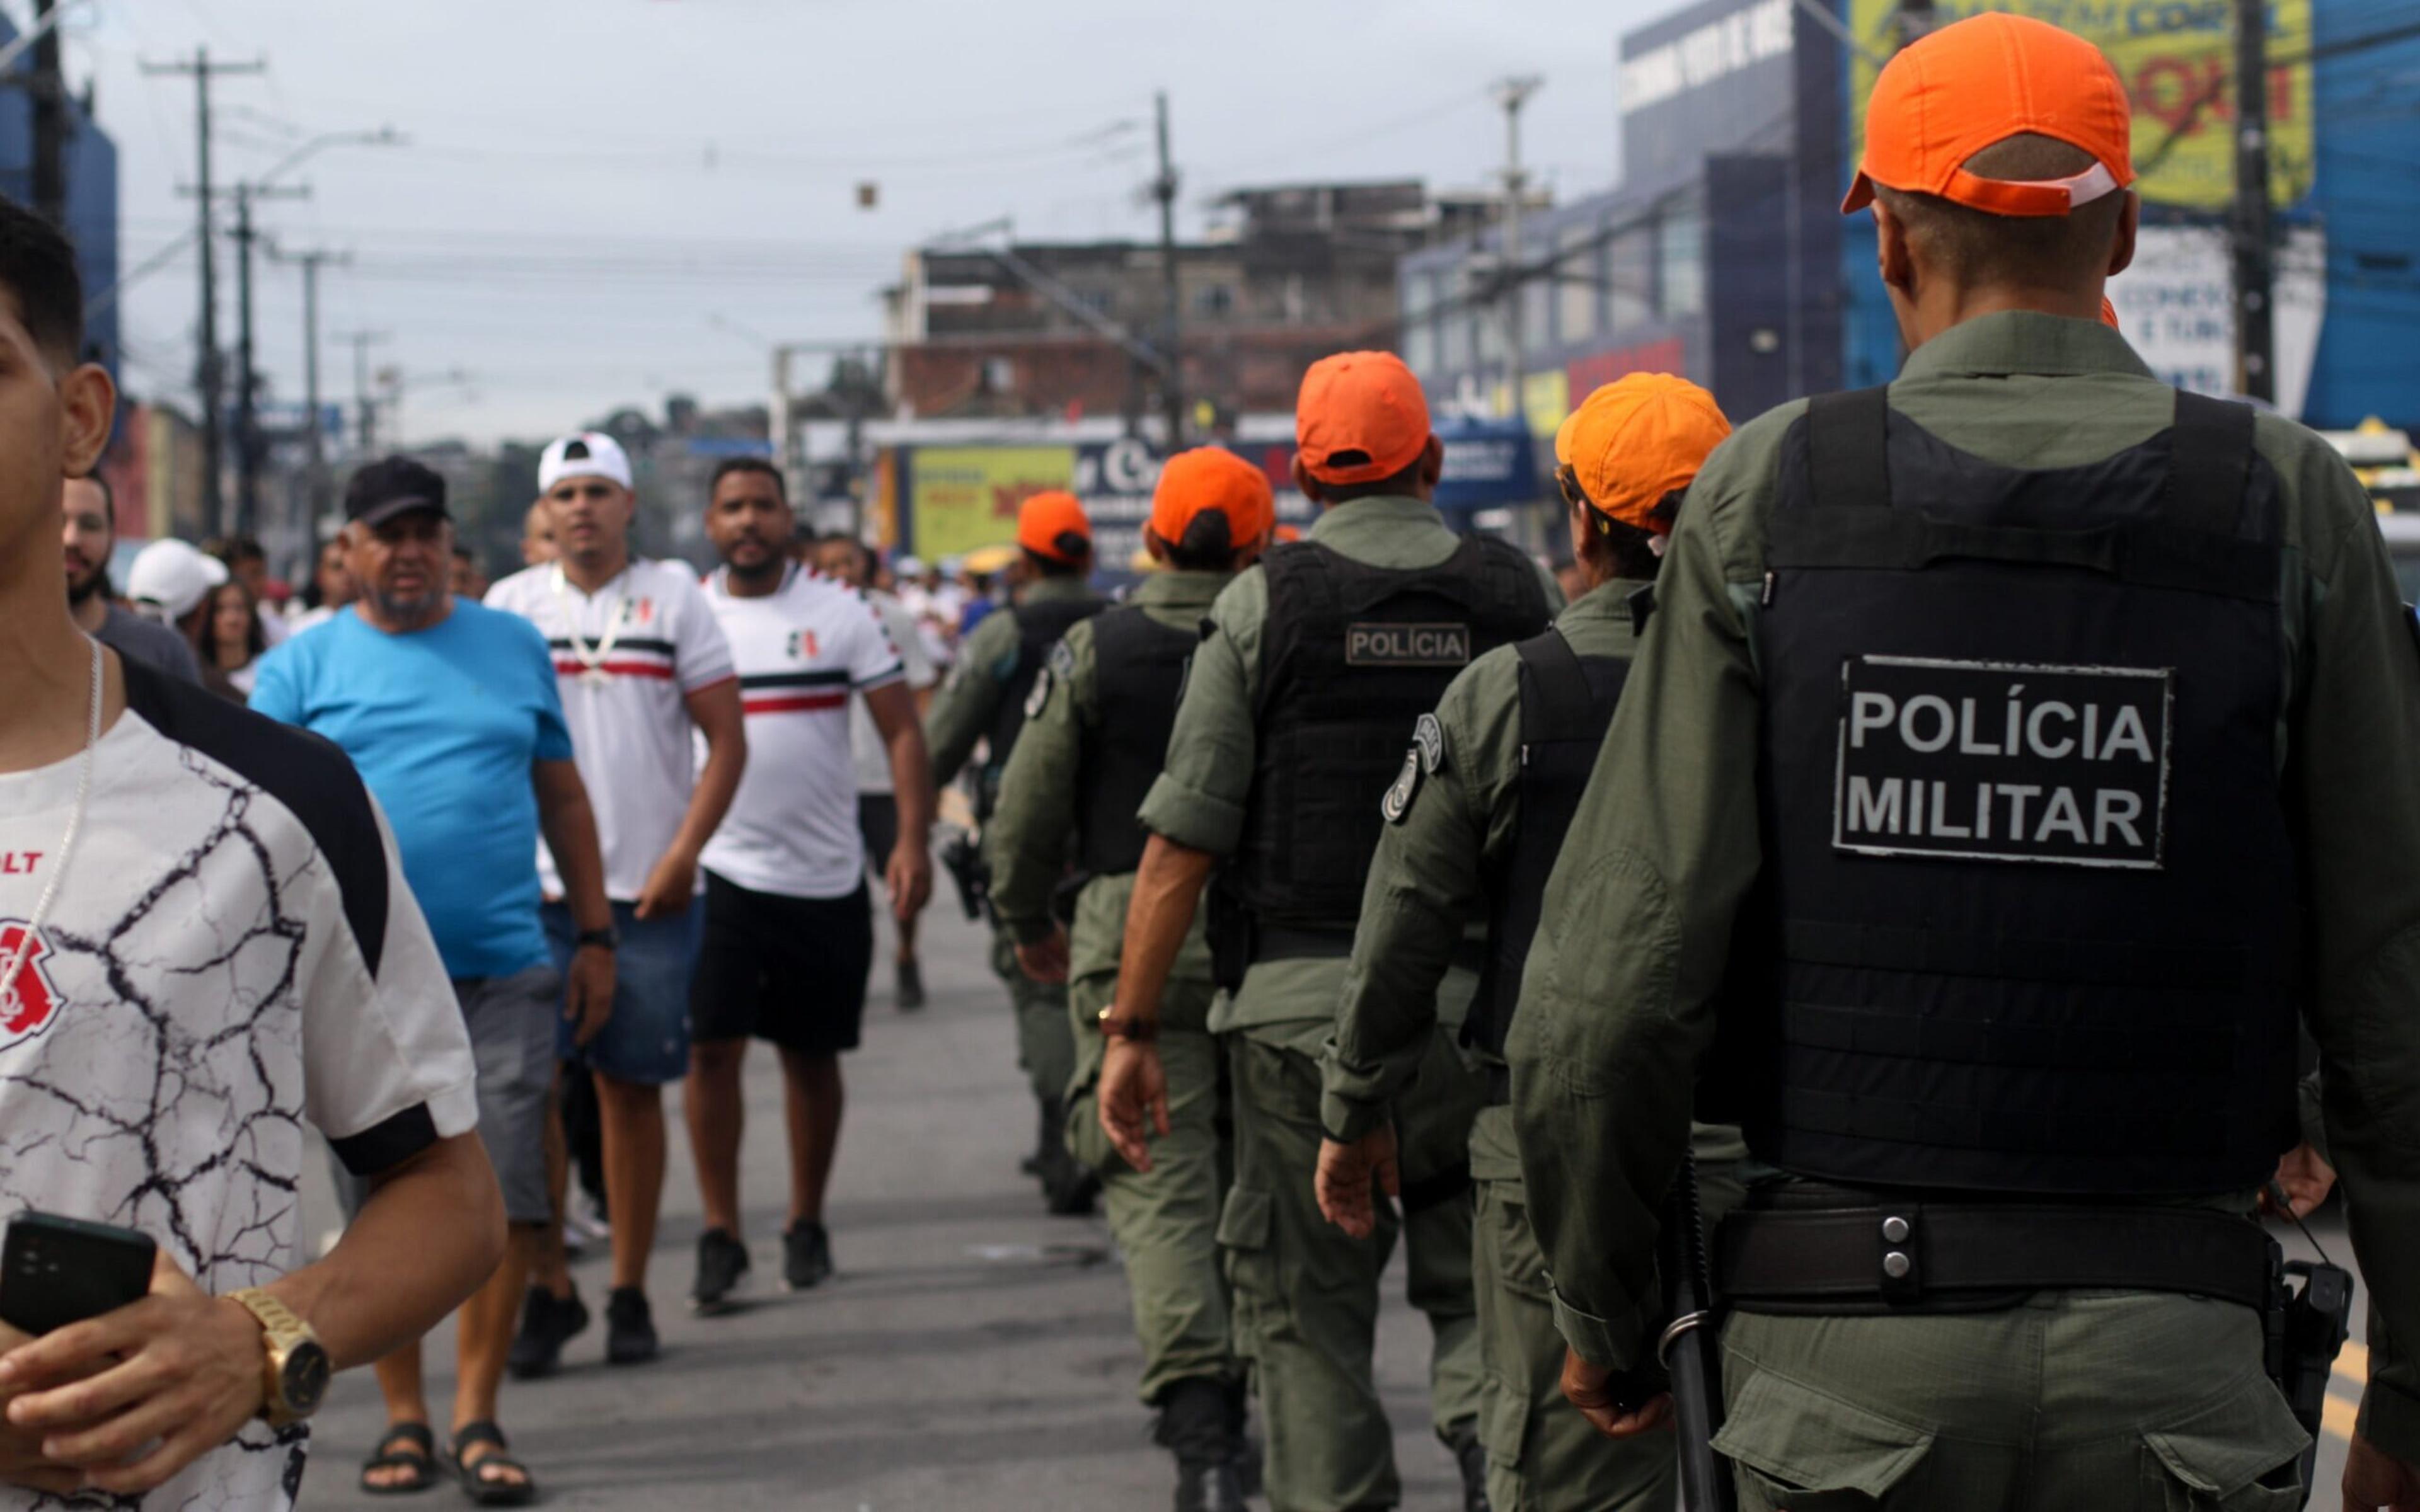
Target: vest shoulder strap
(1847, 444)
(1556, 699)
(2210, 456)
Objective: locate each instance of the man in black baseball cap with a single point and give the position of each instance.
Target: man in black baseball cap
(450, 712)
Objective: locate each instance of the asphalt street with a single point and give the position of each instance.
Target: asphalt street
(974, 1352)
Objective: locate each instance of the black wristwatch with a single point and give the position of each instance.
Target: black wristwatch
(604, 939)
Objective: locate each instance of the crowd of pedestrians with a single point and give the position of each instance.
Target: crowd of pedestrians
(1375, 885)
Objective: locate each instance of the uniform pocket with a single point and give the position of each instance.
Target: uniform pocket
(1802, 1451)
(2241, 1454)
(1251, 1275)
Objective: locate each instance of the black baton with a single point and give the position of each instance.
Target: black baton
(1687, 1349)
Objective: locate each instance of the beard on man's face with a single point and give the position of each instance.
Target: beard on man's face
(81, 586)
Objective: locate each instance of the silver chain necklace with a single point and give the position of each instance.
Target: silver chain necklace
(18, 957)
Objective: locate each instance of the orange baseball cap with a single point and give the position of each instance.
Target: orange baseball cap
(1976, 83)
(1361, 417)
(1211, 480)
(1638, 440)
(1053, 524)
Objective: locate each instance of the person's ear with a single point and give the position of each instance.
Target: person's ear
(1152, 544)
(2130, 218)
(1305, 482)
(1891, 251)
(1432, 461)
(87, 409)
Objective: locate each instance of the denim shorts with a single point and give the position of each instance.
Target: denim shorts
(646, 1040)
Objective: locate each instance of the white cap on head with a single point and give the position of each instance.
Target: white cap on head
(589, 454)
(173, 577)
(909, 567)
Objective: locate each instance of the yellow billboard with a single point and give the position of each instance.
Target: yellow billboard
(964, 498)
(2177, 58)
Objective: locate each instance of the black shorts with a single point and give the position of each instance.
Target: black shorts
(788, 970)
(877, 820)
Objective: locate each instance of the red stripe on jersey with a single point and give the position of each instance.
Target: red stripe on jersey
(617, 669)
(794, 702)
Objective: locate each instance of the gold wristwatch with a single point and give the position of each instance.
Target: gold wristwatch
(298, 1363)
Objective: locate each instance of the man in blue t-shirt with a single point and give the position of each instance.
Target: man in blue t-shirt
(449, 710)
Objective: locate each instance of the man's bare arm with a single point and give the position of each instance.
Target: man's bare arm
(1168, 888)
(570, 825)
(909, 870)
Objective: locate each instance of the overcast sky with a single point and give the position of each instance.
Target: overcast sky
(607, 201)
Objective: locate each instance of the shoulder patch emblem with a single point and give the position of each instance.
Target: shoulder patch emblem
(1063, 659)
(1428, 741)
(1039, 699)
(1398, 801)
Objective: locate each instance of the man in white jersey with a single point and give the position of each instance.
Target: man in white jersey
(643, 670)
(206, 941)
(789, 931)
(848, 560)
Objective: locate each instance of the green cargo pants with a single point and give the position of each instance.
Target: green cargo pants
(2074, 1402)
(1045, 1051)
(1307, 1295)
(1542, 1455)
(1166, 1221)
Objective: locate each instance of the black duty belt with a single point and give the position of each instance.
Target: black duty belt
(1280, 942)
(1499, 1086)
(1897, 1253)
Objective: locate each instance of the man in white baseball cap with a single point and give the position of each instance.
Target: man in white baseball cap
(172, 578)
(644, 668)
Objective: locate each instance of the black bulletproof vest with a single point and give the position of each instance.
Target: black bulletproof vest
(1138, 672)
(1567, 701)
(1351, 656)
(1039, 627)
(2034, 909)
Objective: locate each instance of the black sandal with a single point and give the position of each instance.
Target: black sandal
(404, 1446)
(477, 1485)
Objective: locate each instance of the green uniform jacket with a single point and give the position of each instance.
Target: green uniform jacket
(1428, 881)
(1617, 1002)
(1034, 823)
(969, 702)
(1199, 801)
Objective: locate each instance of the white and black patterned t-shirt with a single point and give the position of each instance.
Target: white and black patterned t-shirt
(232, 953)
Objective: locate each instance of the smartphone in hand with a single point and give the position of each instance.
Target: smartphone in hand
(57, 1271)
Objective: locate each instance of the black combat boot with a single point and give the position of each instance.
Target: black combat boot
(1053, 1116)
(1196, 1427)
(1470, 1457)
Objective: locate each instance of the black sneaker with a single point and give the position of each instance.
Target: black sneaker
(909, 993)
(548, 1323)
(721, 1266)
(806, 1254)
(629, 1327)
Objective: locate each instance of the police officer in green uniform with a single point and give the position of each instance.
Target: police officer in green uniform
(2014, 753)
(1096, 734)
(984, 701)
(1474, 825)
(1314, 664)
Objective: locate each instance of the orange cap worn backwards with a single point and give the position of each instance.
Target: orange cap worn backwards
(1635, 440)
(1976, 83)
(1211, 480)
(1053, 524)
(1361, 417)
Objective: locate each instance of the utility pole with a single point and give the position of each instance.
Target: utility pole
(2256, 263)
(362, 341)
(1512, 94)
(206, 369)
(248, 445)
(315, 488)
(49, 117)
(1172, 378)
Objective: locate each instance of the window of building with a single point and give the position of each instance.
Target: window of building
(1579, 273)
(1680, 249)
(1420, 322)
(1630, 278)
(1215, 301)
